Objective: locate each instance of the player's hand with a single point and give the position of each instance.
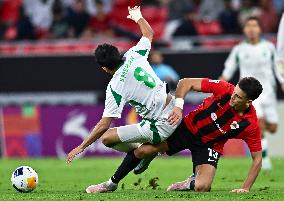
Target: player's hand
(74, 153)
(134, 13)
(175, 117)
(240, 190)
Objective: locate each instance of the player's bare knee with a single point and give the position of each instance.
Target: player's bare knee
(202, 187)
(107, 140)
(139, 152)
(144, 151)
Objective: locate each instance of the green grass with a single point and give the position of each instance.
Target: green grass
(58, 181)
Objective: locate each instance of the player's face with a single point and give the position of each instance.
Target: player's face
(252, 30)
(238, 98)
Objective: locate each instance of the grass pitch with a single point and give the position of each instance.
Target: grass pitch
(58, 181)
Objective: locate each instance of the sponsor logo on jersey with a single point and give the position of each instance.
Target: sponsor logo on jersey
(234, 125)
(214, 118)
(125, 69)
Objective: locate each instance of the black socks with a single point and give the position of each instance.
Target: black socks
(128, 164)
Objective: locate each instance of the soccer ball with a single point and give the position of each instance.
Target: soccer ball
(24, 179)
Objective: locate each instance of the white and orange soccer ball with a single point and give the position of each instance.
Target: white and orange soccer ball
(24, 179)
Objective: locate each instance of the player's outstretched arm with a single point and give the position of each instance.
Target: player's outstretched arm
(183, 87)
(101, 127)
(253, 173)
(136, 16)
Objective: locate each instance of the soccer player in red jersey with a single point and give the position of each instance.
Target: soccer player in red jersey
(227, 113)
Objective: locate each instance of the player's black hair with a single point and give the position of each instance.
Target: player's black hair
(108, 56)
(254, 18)
(251, 87)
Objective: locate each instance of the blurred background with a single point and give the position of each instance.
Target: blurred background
(52, 92)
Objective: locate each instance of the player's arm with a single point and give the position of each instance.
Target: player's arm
(277, 65)
(231, 65)
(101, 127)
(146, 29)
(280, 39)
(253, 172)
(184, 86)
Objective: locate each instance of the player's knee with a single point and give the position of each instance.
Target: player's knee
(143, 151)
(202, 187)
(107, 140)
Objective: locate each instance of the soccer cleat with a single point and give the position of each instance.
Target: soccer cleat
(144, 164)
(102, 188)
(181, 186)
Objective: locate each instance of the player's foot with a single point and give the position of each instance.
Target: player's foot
(266, 164)
(102, 187)
(181, 186)
(144, 164)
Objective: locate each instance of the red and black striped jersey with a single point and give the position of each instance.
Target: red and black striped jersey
(215, 121)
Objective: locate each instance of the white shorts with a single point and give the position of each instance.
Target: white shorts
(266, 109)
(152, 131)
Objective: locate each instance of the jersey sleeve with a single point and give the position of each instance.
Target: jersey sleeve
(231, 64)
(252, 138)
(280, 39)
(215, 86)
(114, 103)
(143, 47)
(276, 64)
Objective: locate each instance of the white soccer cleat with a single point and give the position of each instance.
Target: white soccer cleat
(101, 188)
(181, 186)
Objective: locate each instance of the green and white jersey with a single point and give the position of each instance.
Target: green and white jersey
(258, 60)
(136, 83)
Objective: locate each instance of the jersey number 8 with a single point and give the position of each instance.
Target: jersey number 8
(141, 75)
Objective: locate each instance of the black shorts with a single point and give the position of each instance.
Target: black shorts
(183, 139)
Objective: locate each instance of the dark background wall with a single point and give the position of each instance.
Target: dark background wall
(80, 73)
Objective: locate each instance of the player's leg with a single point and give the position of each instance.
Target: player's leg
(259, 107)
(201, 182)
(269, 123)
(111, 139)
(204, 177)
(205, 164)
(123, 134)
(176, 141)
(130, 161)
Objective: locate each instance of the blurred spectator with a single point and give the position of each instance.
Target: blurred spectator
(177, 8)
(229, 18)
(268, 16)
(186, 25)
(68, 3)
(151, 2)
(163, 71)
(92, 9)
(40, 14)
(59, 27)
(24, 27)
(247, 9)
(2, 25)
(278, 6)
(99, 24)
(78, 18)
(9, 11)
(210, 9)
